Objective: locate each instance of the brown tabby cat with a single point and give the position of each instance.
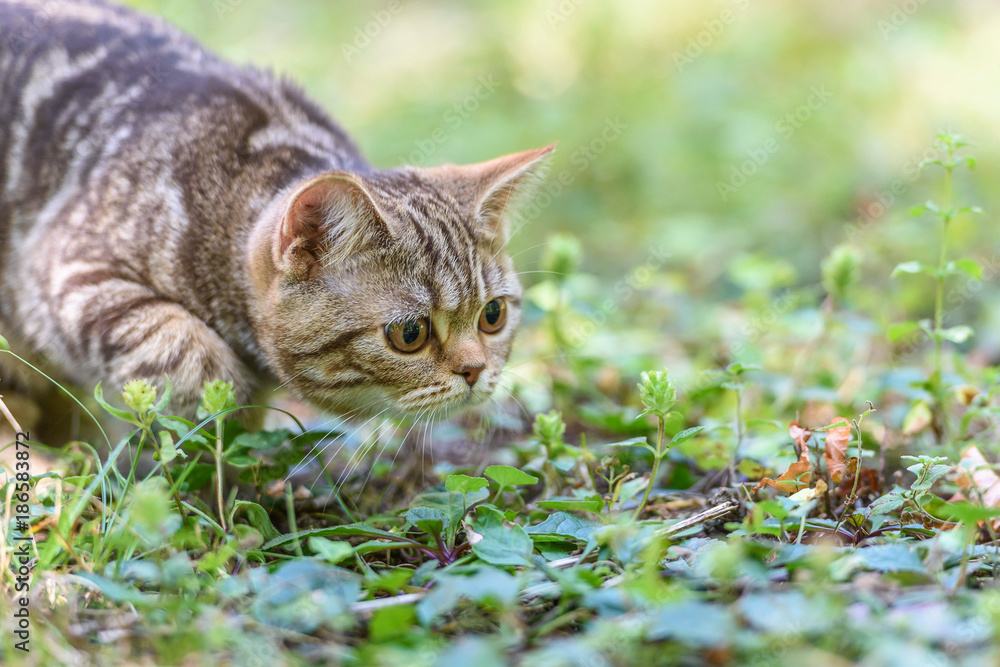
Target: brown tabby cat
(165, 212)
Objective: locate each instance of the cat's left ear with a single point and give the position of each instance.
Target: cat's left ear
(494, 187)
(502, 182)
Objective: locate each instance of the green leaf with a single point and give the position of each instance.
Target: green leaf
(116, 592)
(258, 517)
(240, 460)
(910, 267)
(427, 519)
(900, 330)
(968, 513)
(330, 551)
(562, 524)
(593, 504)
(168, 391)
(349, 530)
(451, 503)
(167, 450)
(116, 412)
(969, 267)
(508, 476)
(886, 504)
(958, 334)
(633, 442)
(686, 435)
(695, 623)
(889, 558)
(500, 544)
(4, 345)
(262, 439)
(464, 484)
(182, 429)
(392, 622)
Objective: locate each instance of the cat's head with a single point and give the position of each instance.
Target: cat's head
(391, 290)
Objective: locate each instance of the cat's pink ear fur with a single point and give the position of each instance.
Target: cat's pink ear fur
(500, 182)
(330, 217)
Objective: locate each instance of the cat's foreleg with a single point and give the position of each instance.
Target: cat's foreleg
(127, 332)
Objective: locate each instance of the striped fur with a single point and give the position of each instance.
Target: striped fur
(165, 212)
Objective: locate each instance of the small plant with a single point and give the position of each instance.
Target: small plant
(658, 397)
(945, 213)
(217, 399)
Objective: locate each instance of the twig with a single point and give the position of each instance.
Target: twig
(366, 607)
(700, 517)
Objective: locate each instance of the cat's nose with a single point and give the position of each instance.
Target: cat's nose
(471, 372)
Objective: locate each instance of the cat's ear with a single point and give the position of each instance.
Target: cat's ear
(499, 184)
(489, 189)
(328, 218)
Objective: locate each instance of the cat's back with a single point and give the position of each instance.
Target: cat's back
(126, 144)
(70, 68)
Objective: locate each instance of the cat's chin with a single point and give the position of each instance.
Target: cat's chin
(443, 409)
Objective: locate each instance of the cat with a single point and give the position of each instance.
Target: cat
(166, 213)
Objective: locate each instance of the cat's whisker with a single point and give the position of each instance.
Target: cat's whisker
(359, 454)
(554, 273)
(315, 454)
(363, 451)
(521, 252)
(289, 380)
(340, 418)
(381, 453)
(527, 415)
(525, 378)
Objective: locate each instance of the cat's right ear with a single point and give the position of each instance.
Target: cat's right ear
(329, 218)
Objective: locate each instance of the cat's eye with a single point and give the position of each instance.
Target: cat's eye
(408, 336)
(494, 315)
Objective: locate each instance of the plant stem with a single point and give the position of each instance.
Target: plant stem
(177, 496)
(739, 437)
(292, 527)
(656, 467)
(218, 473)
(857, 476)
(938, 384)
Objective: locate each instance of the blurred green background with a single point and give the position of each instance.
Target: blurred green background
(747, 138)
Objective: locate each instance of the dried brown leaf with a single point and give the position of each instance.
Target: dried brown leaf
(799, 474)
(835, 450)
